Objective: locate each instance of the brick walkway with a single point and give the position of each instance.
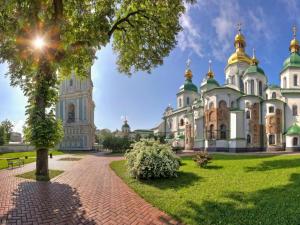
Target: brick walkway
(88, 192)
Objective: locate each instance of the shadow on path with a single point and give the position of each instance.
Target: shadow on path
(45, 203)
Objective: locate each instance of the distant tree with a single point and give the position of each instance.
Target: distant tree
(8, 128)
(2, 135)
(43, 42)
(102, 134)
(137, 137)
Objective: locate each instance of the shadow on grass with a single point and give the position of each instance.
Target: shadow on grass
(240, 156)
(275, 164)
(36, 202)
(184, 179)
(212, 167)
(277, 206)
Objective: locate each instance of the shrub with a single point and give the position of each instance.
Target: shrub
(202, 158)
(149, 159)
(116, 144)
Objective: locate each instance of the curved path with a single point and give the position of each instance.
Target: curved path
(88, 192)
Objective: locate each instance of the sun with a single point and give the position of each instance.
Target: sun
(38, 43)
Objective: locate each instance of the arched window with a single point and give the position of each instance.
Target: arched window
(223, 131)
(181, 122)
(260, 88)
(248, 139)
(188, 101)
(71, 82)
(71, 113)
(273, 95)
(211, 131)
(248, 116)
(284, 82)
(295, 141)
(222, 104)
(232, 104)
(295, 80)
(271, 139)
(271, 109)
(180, 102)
(295, 110)
(267, 96)
(252, 87)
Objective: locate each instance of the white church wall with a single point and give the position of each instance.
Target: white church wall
(292, 99)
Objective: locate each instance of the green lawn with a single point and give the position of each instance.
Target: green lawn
(31, 156)
(233, 190)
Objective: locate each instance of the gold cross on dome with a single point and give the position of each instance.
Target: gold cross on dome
(294, 31)
(239, 27)
(188, 63)
(209, 65)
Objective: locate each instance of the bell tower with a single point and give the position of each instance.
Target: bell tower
(76, 110)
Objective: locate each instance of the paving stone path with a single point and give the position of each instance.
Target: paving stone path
(88, 192)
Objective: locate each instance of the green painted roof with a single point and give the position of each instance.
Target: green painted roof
(293, 130)
(189, 86)
(212, 81)
(254, 69)
(292, 61)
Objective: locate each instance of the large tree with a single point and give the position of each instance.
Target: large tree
(44, 41)
(8, 128)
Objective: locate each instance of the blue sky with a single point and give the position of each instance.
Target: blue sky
(209, 30)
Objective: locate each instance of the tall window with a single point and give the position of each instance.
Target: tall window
(271, 139)
(248, 139)
(267, 96)
(211, 131)
(284, 82)
(271, 109)
(71, 113)
(188, 101)
(295, 80)
(273, 95)
(295, 141)
(180, 102)
(211, 105)
(181, 122)
(260, 88)
(232, 104)
(71, 82)
(222, 104)
(252, 87)
(223, 131)
(295, 110)
(248, 114)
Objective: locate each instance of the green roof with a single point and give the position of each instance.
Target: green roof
(292, 61)
(254, 69)
(212, 81)
(293, 130)
(189, 86)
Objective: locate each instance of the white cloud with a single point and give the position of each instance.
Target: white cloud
(18, 126)
(189, 38)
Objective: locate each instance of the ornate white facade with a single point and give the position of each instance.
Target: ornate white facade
(244, 114)
(76, 110)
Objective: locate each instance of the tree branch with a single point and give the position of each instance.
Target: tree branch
(124, 19)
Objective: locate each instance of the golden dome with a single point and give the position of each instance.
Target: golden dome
(210, 73)
(239, 55)
(254, 60)
(294, 45)
(188, 74)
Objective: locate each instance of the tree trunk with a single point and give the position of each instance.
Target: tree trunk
(42, 172)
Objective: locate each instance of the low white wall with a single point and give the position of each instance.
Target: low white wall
(222, 144)
(289, 141)
(16, 148)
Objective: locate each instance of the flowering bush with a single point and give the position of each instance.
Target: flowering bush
(149, 159)
(202, 158)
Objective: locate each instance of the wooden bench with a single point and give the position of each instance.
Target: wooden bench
(15, 161)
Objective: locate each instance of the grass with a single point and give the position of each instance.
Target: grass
(31, 175)
(31, 156)
(232, 190)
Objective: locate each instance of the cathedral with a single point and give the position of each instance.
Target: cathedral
(76, 110)
(243, 115)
